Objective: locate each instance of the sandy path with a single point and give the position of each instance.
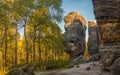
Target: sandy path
(81, 70)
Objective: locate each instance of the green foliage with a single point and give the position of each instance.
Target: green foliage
(56, 64)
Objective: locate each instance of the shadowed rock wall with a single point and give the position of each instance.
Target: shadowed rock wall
(93, 42)
(107, 14)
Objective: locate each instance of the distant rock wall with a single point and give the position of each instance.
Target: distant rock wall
(107, 14)
(93, 42)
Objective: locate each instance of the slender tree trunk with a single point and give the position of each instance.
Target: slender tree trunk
(26, 42)
(16, 58)
(6, 47)
(31, 55)
(2, 49)
(3, 58)
(12, 58)
(39, 49)
(34, 39)
(45, 54)
(53, 59)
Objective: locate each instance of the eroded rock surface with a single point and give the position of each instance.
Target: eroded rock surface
(107, 9)
(74, 35)
(72, 17)
(93, 41)
(107, 14)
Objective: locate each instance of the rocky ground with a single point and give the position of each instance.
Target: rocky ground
(81, 70)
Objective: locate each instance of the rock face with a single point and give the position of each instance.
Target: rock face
(75, 34)
(107, 14)
(24, 70)
(93, 42)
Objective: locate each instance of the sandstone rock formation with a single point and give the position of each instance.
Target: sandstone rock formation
(107, 14)
(75, 34)
(72, 17)
(93, 42)
(24, 70)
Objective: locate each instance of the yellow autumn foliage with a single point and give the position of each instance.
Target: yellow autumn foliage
(86, 53)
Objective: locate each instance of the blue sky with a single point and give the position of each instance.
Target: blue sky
(84, 7)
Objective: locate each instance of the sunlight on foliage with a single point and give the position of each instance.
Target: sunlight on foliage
(86, 53)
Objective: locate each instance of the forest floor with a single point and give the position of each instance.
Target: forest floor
(81, 70)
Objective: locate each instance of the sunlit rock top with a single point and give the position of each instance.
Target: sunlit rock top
(91, 23)
(72, 16)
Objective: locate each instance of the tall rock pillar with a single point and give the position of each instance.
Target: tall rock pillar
(93, 42)
(107, 14)
(74, 35)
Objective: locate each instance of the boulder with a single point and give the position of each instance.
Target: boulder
(24, 70)
(115, 68)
